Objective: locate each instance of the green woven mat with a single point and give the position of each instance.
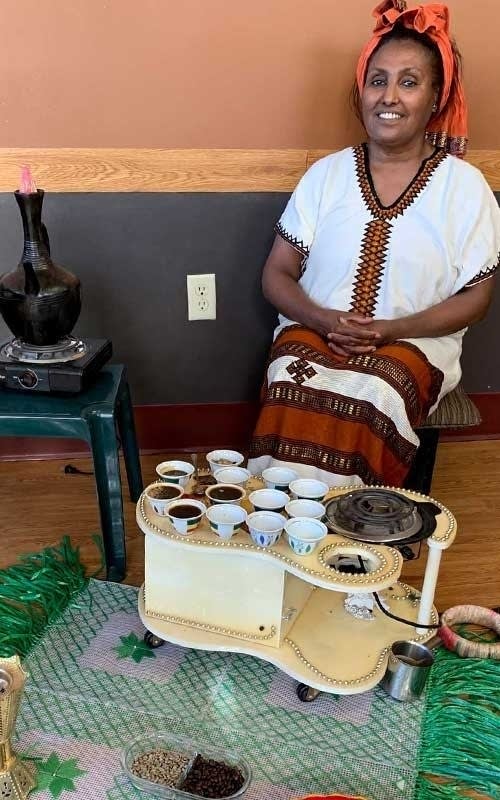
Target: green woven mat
(93, 686)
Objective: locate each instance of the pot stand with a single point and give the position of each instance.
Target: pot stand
(233, 596)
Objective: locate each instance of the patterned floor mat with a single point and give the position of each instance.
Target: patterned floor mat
(94, 685)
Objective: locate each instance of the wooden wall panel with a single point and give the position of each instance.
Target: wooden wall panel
(144, 170)
(488, 161)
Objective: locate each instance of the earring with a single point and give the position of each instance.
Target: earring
(434, 108)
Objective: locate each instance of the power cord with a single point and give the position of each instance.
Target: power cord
(69, 469)
(431, 626)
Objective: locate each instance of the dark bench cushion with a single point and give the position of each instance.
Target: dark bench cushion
(456, 410)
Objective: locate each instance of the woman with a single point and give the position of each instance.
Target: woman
(385, 254)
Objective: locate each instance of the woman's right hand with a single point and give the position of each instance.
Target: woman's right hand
(349, 333)
(346, 332)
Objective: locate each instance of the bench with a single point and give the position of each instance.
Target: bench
(456, 410)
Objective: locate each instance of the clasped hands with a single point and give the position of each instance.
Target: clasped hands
(353, 334)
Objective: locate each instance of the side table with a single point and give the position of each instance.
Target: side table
(94, 416)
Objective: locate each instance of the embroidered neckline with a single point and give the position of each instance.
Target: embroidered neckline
(407, 197)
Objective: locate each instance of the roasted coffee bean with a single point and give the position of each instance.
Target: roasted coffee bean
(160, 766)
(210, 778)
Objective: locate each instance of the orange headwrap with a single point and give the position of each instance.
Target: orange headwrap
(448, 125)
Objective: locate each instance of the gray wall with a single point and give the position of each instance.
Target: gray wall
(132, 253)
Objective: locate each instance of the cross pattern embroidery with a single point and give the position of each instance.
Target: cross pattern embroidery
(300, 370)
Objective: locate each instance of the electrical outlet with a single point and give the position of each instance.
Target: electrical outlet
(201, 296)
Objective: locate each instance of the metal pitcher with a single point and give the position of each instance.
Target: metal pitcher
(407, 670)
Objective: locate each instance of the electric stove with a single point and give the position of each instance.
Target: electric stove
(383, 516)
(69, 366)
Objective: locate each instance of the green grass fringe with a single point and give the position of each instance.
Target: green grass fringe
(460, 743)
(35, 592)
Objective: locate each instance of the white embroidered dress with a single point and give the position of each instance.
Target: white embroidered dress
(440, 236)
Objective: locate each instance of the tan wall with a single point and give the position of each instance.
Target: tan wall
(206, 73)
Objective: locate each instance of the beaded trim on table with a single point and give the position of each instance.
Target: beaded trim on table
(362, 548)
(412, 595)
(203, 626)
(354, 681)
(451, 529)
(339, 578)
(298, 652)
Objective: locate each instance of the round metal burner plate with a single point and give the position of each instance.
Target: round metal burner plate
(67, 349)
(373, 515)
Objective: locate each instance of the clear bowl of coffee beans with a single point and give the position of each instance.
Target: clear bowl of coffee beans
(173, 767)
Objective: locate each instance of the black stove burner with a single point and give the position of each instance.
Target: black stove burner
(381, 515)
(66, 349)
(70, 366)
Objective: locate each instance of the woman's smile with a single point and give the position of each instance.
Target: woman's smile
(390, 116)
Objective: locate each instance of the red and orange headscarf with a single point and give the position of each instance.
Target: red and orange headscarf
(448, 125)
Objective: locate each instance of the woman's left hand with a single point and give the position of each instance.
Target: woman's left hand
(387, 330)
(448, 316)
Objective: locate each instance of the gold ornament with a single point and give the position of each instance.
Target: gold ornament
(17, 778)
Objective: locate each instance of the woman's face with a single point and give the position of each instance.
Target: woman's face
(398, 95)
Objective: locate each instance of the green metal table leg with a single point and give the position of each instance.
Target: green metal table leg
(101, 424)
(126, 428)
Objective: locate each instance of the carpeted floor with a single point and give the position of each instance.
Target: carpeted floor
(94, 686)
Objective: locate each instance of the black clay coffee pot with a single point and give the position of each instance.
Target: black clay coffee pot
(39, 300)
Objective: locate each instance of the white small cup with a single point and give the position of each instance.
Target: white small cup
(308, 489)
(279, 477)
(221, 488)
(304, 534)
(160, 504)
(218, 458)
(234, 475)
(265, 527)
(185, 525)
(305, 508)
(225, 519)
(268, 500)
(163, 470)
